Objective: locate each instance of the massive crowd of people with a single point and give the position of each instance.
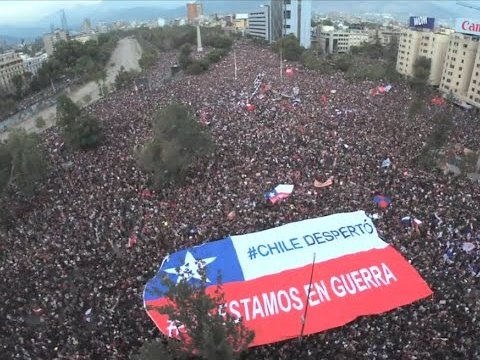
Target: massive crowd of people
(71, 288)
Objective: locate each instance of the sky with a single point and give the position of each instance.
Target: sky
(28, 11)
(14, 12)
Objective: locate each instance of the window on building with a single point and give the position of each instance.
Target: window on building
(287, 2)
(287, 14)
(465, 46)
(458, 83)
(460, 68)
(449, 81)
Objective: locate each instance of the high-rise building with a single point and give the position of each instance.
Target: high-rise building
(415, 43)
(408, 47)
(87, 26)
(194, 11)
(50, 39)
(258, 24)
(11, 64)
(460, 76)
(291, 17)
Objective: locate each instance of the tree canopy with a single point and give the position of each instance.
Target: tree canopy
(178, 141)
(75, 59)
(290, 48)
(22, 161)
(80, 129)
(421, 73)
(208, 331)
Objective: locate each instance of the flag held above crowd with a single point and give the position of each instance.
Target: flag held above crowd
(382, 201)
(270, 278)
(386, 163)
(319, 184)
(280, 192)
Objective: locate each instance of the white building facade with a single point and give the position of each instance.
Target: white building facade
(291, 17)
(258, 24)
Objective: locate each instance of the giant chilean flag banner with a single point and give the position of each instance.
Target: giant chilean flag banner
(266, 276)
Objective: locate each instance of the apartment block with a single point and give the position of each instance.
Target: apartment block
(388, 36)
(474, 87)
(49, 40)
(434, 46)
(11, 64)
(258, 24)
(31, 64)
(408, 47)
(460, 72)
(340, 41)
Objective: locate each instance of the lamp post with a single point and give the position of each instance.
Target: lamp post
(269, 30)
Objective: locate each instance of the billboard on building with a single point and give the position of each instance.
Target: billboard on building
(467, 26)
(422, 22)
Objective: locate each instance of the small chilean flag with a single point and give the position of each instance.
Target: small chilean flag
(280, 192)
(132, 240)
(336, 267)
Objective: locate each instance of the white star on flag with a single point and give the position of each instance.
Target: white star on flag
(185, 272)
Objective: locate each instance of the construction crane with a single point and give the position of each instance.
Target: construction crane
(464, 4)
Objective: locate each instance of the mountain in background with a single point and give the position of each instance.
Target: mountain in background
(109, 11)
(397, 8)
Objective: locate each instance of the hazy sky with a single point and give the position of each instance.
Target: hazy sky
(27, 10)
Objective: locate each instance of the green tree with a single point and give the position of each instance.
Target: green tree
(22, 161)
(18, 81)
(209, 332)
(85, 133)
(67, 111)
(343, 62)
(178, 141)
(184, 59)
(290, 48)
(216, 55)
(124, 78)
(421, 73)
(197, 67)
(437, 139)
(80, 129)
(7, 106)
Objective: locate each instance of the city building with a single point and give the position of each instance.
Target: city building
(87, 26)
(340, 41)
(258, 22)
(31, 64)
(83, 38)
(387, 36)
(194, 11)
(50, 39)
(460, 76)
(291, 17)
(161, 22)
(415, 43)
(408, 47)
(11, 64)
(434, 46)
(240, 22)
